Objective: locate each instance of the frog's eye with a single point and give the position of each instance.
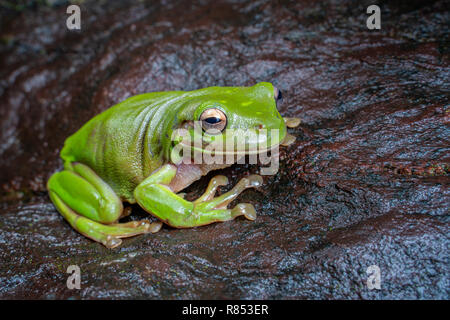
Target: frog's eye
(213, 119)
(277, 94)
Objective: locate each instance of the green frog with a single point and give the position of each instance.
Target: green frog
(125, 154)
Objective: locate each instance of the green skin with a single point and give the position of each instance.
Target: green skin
(124, 154)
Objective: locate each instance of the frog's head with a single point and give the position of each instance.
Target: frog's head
(217, 115)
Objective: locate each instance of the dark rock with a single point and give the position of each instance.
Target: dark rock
(365, 183)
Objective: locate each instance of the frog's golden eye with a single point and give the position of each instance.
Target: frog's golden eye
(213, 119)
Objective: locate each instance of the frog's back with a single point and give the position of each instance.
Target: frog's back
(123, 144)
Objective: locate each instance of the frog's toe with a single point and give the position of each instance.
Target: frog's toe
(112, 242)
(292, 122)
(110, 234)
(255, 181)
(288, 140)
(132, 224)
(155, 226)
(221, 202)
(244, 209)
(211, 190)
(220, 180)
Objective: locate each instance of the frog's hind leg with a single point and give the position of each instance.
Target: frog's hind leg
(91, 207)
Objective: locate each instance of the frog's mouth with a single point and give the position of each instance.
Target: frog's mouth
(233, 152)
(239, 143)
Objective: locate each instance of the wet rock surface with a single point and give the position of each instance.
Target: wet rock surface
(366, 182)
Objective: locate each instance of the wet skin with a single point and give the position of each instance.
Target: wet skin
(125, 154)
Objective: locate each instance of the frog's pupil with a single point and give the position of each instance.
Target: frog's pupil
(212, 120)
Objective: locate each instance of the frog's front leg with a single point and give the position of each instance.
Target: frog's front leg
(156, 197)
(92, 207)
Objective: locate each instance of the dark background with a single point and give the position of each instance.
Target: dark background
(366, 182)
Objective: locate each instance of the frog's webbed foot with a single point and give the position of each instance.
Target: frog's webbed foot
(155, 196)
